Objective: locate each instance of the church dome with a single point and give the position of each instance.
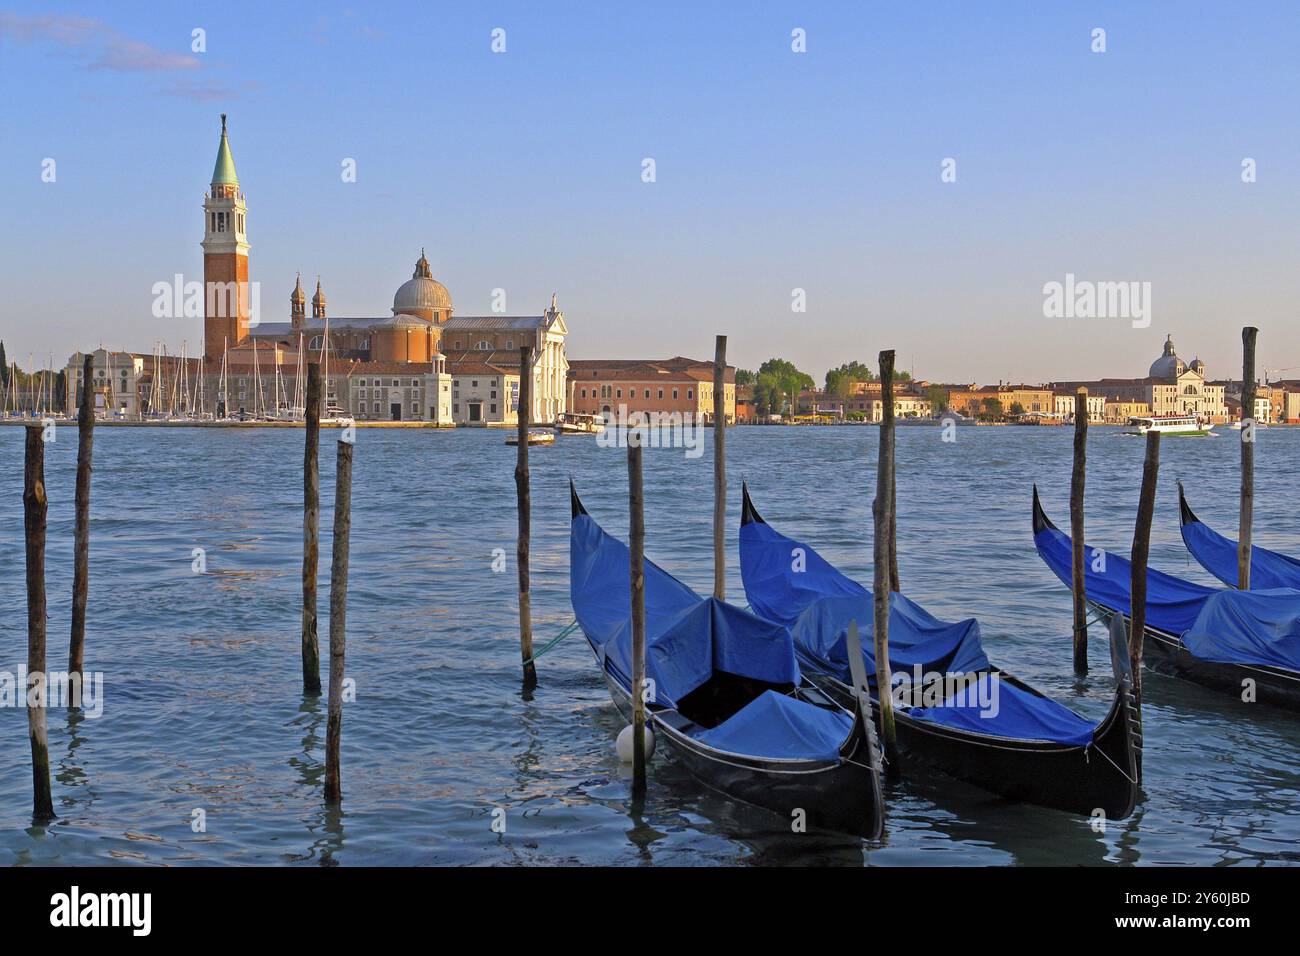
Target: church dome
(1169, 365)
(422, 294)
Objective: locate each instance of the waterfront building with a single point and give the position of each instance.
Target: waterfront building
(1119, 412)
(675, 385)
(1002, 400)
(1064, 405)
(407, 365)
(1171, 387)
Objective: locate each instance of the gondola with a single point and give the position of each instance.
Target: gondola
(1218, 555)
(1243, 643)
(1027, 748)
(728, 697)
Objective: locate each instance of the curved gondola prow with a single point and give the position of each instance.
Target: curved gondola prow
(1185, 514)
(748, 513)
(1121, 663)
(575, 503)
(1041, 521)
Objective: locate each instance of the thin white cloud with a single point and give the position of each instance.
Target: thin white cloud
(103, 46)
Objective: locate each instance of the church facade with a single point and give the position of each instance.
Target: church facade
(421, 361)
(1171, 387)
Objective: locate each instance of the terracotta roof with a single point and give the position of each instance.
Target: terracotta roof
(481, 368)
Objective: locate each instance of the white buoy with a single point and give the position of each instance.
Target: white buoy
(624, 744)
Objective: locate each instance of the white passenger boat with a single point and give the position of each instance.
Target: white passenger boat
(1168, 425)
(579, 423)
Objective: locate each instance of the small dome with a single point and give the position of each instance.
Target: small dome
(422, 293)
(318, 299)
(297, 295)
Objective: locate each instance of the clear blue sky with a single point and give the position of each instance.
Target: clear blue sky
(775, 170)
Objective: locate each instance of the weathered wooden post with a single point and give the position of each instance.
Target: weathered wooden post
(524, 502)
(338, 618)
(719, 468)
(311, 532)
(636, 571)
(881, 510)
(887, 414)
(1077, 574)
(1141, 548)
(1248, 423)
(35, 508)
(81, 530)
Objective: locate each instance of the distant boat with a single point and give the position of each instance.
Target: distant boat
(1187, 425)
(535, 437)
(579, 423)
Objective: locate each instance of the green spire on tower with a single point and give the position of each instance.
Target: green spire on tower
(223, 174)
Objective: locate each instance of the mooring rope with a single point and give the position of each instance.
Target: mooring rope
(553, 641)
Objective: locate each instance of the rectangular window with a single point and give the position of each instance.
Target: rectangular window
(620, 395)
(493, 409)
(661, 393)
(647, 395)
(674, 393)
(455, 410)
(689, 394)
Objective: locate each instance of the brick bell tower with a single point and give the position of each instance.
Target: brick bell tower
(226, 292)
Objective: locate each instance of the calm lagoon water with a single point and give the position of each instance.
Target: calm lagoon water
(203, 708)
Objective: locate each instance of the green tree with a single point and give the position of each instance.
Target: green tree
(992, 409)
(839, 380)
(780, 382)
(938, 398)
(743, 376)
(4, 366)
(1017, 408)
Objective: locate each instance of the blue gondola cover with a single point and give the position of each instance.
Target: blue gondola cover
(687, 637)
(1218, 555)
(789, 581)
(1249, 627)
(776, 726)
(1172, 603)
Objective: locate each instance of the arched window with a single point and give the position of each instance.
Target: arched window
(314, 344)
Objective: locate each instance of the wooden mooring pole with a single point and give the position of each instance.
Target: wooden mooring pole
(882, 513)
(1141, 549)
(311, 532)
(1248, 423)
(1138, 581)
(35, 508)
(719, 468)
(81, 529)
(1077, 575)
(338, 618)
(636, 572)
(525, 506)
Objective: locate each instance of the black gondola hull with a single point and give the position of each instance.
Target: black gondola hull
(842, 796)
(1077, 779)
(1250, 684)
